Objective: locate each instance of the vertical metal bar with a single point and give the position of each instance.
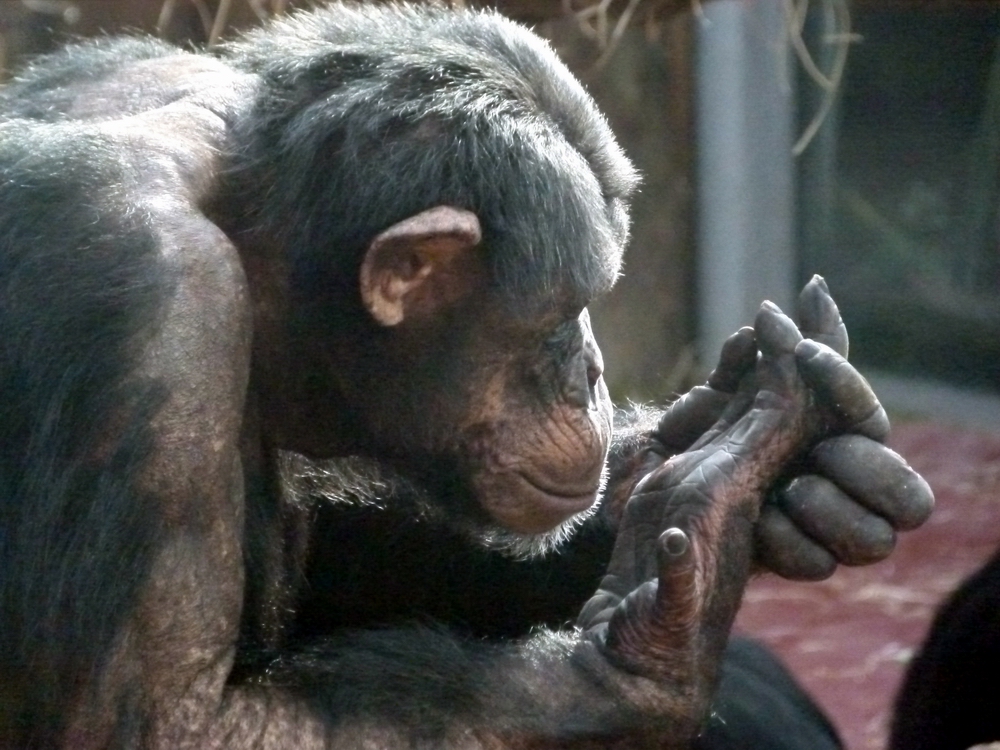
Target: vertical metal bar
(744, 136)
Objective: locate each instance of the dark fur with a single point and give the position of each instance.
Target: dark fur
(491, 101)
(944, 702)
(78, 294)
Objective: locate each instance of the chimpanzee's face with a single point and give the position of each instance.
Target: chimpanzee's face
(533, 442)
(456, 380)
(510, 406)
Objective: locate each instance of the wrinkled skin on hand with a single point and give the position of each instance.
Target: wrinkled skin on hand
(842, 501)
(682, 555)
(703, 515)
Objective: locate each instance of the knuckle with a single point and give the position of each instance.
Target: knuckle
(784, 549)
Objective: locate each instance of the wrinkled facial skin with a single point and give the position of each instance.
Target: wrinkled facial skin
(538, 442)
(515, 412)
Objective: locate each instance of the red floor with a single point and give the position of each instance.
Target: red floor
(848, 638)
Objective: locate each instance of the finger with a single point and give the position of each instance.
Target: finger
(598, 609)
(738, 405)
(877, 477)
(841, 387)
(781, 547)
(779, 389)
(777, 336)
(687, 418)
(739, 353)
(678, 605)
(819, 318)
(854, 534)
(694, 413)
(653, 630)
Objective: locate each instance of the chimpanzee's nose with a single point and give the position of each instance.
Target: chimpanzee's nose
(581, 390)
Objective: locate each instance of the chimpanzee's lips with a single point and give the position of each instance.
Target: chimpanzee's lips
(526, 504)
(555, 503)
(564, 492)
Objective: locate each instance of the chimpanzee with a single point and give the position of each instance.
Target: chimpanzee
(942, 702)
(368, 232)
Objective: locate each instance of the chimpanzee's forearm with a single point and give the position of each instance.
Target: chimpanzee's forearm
(426, 688)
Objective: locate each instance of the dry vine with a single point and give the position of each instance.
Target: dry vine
(829, 82)
(215, 23)
(595, 20)
(605, 22)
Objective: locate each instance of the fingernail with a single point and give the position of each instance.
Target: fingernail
(807, 349)
(674, 541)
(821, 282)
(769, 306)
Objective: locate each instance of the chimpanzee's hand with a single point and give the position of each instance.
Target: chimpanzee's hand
(685, 542)
(845, 499)
(640, 450)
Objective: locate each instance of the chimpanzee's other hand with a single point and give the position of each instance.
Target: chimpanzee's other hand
(685, 542)
(843, 502)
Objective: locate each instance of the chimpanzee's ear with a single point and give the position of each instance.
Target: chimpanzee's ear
(421, 263)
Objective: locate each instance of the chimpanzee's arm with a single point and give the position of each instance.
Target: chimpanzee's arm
(428, 688)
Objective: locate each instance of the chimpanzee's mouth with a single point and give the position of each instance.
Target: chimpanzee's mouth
(564, 492)
(528, 504)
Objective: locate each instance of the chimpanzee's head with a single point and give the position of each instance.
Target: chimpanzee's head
(448, 201)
